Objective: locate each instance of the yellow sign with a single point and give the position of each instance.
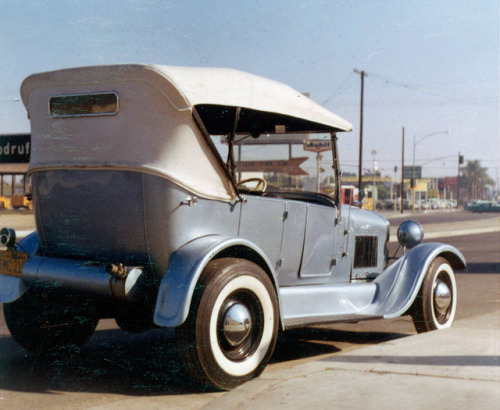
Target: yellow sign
(368, 204)
(421, 187)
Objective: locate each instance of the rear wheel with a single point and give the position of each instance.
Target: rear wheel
(436, 303)
(232, 327)
(40, 321)
(136, 320)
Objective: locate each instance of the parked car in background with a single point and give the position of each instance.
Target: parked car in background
(483, 206)
(424, 205)
(144, 216)
(406, 204)
(384, 204)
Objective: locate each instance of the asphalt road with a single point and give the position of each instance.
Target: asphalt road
(120, 369)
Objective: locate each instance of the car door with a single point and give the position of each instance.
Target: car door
(261, 223)
(319, 243)
(292, 244)
(312, 247)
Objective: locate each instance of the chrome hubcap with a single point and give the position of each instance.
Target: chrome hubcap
(442, 297)
(240, 325)
(237, 324)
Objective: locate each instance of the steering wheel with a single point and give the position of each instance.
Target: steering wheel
(259, 187)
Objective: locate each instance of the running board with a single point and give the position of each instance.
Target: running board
(296, 322)
(340, 302)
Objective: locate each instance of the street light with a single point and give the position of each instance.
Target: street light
(448, 132)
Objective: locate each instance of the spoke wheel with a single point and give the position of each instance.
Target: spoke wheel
(436, 303)
(232, 327)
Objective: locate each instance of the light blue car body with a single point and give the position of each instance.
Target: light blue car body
(328, 262)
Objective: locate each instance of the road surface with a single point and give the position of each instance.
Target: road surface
(124, 370)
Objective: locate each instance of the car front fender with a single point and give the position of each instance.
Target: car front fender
(12, 288)
(185, 267)
(399, 283)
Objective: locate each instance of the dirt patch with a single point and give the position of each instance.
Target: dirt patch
(18, 220)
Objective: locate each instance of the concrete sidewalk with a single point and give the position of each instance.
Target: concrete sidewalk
(458, 368)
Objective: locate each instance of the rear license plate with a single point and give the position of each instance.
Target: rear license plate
(11, 262)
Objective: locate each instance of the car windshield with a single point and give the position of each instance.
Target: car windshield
(286, 162)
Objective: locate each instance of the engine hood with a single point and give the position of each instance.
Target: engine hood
(365, 221)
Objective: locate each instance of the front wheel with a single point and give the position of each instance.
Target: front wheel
(436, 303)
(232, 327)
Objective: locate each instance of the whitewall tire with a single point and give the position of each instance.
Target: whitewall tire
(436, 303)
(232, 327)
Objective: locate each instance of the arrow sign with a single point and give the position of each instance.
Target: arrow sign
(290, 166)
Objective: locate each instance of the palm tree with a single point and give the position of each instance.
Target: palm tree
(475, 178)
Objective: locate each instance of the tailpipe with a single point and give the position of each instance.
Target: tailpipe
(128, 283)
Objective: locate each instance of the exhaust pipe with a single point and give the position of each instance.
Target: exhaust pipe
(87, 278)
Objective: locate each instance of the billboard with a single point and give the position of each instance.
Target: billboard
(451, 181)
(15, 148)
(408, 172)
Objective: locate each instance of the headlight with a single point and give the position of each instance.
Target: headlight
(410, 234)
(7, 237)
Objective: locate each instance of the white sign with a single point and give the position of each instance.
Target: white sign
(317, 145)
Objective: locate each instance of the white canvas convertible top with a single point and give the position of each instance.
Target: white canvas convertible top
(228, 87)
(153, 129)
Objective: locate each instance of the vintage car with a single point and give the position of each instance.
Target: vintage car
(483, 206)
(163, 198)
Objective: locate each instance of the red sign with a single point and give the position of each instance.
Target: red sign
(290, 166)
(451, 181)
(317, 145)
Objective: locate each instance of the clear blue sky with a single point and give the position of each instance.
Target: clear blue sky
(432, 65)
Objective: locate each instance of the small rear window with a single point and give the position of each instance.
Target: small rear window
(76, 105)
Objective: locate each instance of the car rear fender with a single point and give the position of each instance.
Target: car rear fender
(399, 283)
(12, 288)
(187, 264)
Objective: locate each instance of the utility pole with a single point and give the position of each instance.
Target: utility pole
(460, 162)
(360, 170)
(403, 173)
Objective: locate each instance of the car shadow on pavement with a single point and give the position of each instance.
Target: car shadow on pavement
(143, 364)
(112, 362)
(314, 341)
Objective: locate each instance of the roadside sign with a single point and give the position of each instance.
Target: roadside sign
(421, 187)
(15, 148)
(451, 181)
(432, 193)
(408, 172)
(317, 145)
(290, 166)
